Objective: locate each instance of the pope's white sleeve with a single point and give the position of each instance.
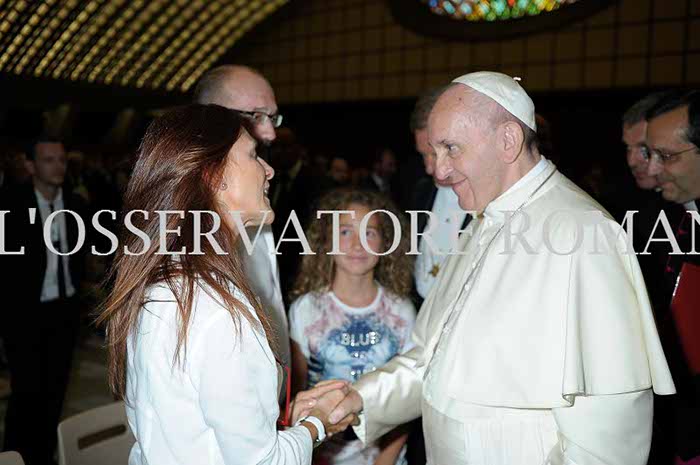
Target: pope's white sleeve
(604, 430)
(391, 396)
(408, 312)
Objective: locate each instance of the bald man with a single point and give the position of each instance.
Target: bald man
(530, 354)
(247, 91)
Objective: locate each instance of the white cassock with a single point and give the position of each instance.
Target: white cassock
(529, 358)
(263, 275)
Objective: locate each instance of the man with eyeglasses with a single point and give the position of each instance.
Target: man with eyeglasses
(245, 90)
(645, 199)
(673, 140)
(634, 129)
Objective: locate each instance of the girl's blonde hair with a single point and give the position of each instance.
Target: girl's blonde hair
(394, 271)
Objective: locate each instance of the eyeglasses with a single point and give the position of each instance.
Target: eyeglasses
(259, 117)
(663, 157)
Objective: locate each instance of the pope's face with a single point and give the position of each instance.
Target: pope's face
(465, 149)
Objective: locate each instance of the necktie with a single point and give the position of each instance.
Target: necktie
(674, 262)
(56, 240)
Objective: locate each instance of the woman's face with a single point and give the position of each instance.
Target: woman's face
(245, 183)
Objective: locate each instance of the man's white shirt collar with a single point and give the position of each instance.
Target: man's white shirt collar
(58, 200)
(379, 180)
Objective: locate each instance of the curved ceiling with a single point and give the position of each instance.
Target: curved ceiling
(151, 44)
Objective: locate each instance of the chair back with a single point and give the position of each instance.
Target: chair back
(11, 458)
(98, 436)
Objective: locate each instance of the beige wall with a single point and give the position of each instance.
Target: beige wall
(337, 50)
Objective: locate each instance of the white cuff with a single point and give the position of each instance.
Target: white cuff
(318, 424)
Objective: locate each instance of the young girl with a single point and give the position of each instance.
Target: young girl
(352, 313)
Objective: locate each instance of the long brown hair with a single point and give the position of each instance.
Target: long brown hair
(180, 161)
(394, 271)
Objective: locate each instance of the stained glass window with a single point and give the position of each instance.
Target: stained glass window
(493, 10)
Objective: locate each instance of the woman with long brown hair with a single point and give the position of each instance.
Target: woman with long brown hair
(190, 348)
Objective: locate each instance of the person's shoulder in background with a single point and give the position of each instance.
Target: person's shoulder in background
(423, 194)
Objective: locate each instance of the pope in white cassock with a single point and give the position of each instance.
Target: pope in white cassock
(545, 355)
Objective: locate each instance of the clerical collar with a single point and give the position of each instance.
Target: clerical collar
(534, 171)
(517, 193)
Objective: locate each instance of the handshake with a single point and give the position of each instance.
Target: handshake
(334, 402)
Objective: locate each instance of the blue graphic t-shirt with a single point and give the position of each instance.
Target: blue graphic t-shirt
(343, 342)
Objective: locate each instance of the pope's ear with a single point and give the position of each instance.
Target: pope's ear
(511, 138)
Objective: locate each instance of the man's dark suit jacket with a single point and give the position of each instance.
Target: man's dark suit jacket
(660, 273)
(24, 274)
(391, 191)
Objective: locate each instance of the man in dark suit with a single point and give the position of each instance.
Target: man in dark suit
(673, 140)
(40, 315)
(645, 198)
(384, 166)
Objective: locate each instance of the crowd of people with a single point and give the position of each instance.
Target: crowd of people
(539, 353)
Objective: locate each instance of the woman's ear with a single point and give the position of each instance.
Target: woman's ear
(214, 180)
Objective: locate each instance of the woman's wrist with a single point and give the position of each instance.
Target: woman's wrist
(318, 432)
(312, 430)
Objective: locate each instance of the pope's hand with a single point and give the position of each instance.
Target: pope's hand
(326, 404)
(305, 401)
(349, 406)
